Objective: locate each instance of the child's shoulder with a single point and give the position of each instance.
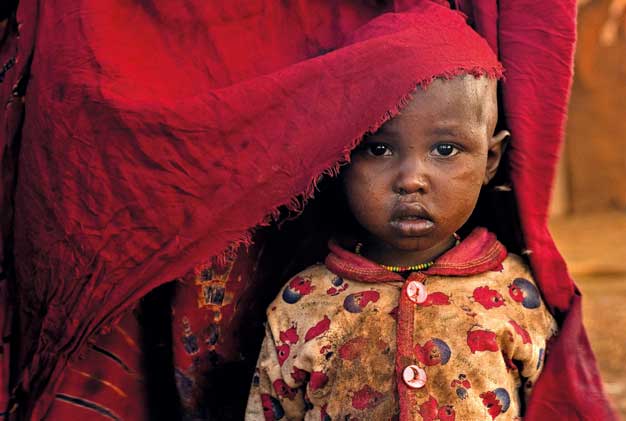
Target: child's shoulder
(515, 266)
(520, 282)
(314, 274)
(309, 281)
(304, 295)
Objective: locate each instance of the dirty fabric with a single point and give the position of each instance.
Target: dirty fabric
(333, 342)
(216, 331)
(141, 138)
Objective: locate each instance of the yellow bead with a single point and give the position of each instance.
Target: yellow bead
(421, 266)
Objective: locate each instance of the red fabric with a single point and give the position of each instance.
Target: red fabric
(107, 381)
(405, 347)
(157, 134)
(533, 43)
(569, 387)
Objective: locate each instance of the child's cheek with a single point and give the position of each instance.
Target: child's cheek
(465, 182)
(363, 188)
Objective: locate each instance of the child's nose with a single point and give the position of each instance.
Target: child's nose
(411, 178)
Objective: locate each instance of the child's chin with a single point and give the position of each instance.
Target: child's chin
(414, 244)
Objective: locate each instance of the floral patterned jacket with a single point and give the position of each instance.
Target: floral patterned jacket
(350, 340)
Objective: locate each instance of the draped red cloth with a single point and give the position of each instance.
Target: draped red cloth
(141, 137)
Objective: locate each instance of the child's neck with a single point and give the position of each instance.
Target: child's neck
(383, 254)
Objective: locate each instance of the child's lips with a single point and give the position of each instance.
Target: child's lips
(412, 220)
(412, 226)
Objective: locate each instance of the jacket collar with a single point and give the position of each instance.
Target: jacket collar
(479, 252)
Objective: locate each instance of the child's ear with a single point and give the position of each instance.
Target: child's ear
(497, 145)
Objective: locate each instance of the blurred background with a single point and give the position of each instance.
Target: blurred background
(588, 214)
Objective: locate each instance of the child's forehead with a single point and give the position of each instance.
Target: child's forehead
(467, 89)
(445, 104)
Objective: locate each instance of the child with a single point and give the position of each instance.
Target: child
(411, 320)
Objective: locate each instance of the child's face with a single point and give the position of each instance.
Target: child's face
(416, 181)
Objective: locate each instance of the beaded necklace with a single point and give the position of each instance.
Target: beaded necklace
(412, 268)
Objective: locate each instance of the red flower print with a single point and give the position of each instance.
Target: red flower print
(321, 327)
(436, 299)
(289, 336)
(272, 410)
(283, 390)
(366, 398)
(325, 349)
(516, 293)
(302, 285)
(338, 287)
(488, 298)
(317, 380)
(298, 375)
(434, 351)
(296, 289)
(525, 292)
(482, 340)
(429, 409)
(521, 331)
(510, 365)
(461, 381)
(446, 413)
(496, 401)
(355, 303)
(283, 353)
(352, 349)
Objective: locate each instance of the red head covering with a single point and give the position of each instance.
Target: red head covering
(156, 135)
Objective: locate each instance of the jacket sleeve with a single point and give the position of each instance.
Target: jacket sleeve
(272, 397)
(531, 327)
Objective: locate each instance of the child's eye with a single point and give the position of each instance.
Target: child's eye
(445, 149)
(378, 149)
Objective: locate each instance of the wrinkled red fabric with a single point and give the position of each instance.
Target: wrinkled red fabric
(157, 134)
(569, 387)
(108, 381)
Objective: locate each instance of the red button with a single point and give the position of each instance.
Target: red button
(414, 377)
(416, 291)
